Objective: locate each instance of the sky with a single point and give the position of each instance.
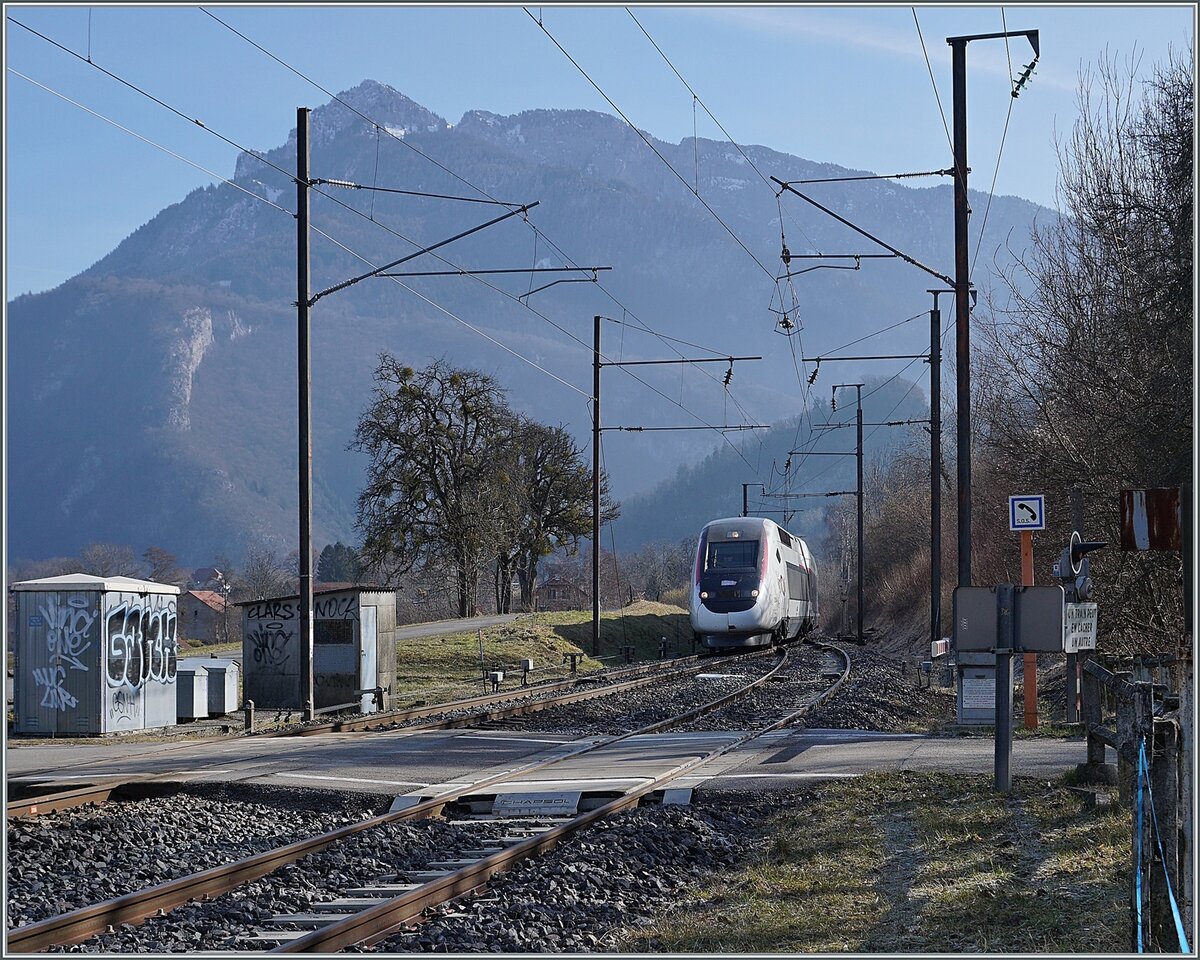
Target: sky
(843, 84)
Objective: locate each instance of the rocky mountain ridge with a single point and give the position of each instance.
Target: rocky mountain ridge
(152, 398)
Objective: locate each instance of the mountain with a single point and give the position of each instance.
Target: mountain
(152, 398)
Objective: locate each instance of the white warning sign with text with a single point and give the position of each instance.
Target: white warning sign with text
(1080, 622)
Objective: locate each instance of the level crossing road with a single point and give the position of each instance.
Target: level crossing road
(424, 762)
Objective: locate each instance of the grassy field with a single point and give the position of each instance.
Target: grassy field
(432, 669)
(916, 863)
(447, 667)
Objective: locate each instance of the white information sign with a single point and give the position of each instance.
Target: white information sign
(1027, 513)
(979, 693)
(1080, 622)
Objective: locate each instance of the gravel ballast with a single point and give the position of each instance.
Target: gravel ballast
(61, 861)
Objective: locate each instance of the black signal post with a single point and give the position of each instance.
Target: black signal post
(962, 284)
(304, 360)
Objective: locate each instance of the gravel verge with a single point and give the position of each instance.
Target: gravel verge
(61, 861)
(878, 695)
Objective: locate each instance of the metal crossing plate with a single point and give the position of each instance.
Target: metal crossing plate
(535, 803)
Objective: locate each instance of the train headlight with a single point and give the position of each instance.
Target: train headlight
(754, 593)
(703, 594)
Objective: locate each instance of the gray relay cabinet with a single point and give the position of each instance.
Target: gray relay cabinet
(94, 655)
(354, 648)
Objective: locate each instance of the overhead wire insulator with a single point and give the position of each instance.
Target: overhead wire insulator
(785, 255)
(729, 373)
(813, 376)
(1026, 74)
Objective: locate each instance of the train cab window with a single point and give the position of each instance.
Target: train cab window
(732, 555)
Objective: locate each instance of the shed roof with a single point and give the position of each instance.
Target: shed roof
(322, 588)
(86, 581)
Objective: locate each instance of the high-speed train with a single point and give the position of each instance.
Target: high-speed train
(755, 584)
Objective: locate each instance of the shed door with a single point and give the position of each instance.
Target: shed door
(368, 670)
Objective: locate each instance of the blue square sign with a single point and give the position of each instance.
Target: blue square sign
(1027, 513)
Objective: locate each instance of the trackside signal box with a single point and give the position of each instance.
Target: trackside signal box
(1038, 627)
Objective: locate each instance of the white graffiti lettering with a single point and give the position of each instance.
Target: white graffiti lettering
(55, 696)
(142, 642)
(67, 641)
(66, 632)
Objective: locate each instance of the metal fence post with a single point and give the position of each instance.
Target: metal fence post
(1165, 784)
(1139, 717)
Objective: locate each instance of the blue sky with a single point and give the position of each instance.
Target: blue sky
(840, 84)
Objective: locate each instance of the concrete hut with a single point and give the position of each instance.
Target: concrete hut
(354, 648)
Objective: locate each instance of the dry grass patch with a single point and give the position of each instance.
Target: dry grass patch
(916, 863)
(447, 667)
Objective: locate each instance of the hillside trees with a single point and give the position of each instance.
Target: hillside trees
(457, 481)
(1087, 368)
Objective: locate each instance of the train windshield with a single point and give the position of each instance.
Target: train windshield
(732, 555)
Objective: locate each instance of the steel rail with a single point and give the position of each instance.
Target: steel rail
(99, 793)
(374, 924)
(84, 922)
(64, 800)
(657, 669)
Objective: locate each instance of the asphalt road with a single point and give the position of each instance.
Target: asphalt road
(423, 763)
(440, 627)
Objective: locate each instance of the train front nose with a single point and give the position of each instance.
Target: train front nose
(729, 592)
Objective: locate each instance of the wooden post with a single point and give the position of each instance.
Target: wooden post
(1127, 732)
(1029, 665)
(1092, 714)
(1165, 783)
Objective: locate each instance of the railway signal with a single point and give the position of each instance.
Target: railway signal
(1074, 567)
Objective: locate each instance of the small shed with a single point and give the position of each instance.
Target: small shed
(94, 655)
(223, 674)
(354, 648)
(192, 692)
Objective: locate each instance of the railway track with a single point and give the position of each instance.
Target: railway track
(367, 902)
(473, 711)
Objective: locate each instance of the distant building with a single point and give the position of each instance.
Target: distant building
(202, 616)
(559, 594)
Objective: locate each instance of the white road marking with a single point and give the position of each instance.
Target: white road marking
(471, 736)
(390, 783)
(102, 775)
(772, 776)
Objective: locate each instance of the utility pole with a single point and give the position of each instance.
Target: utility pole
(859, 421)
(962, 309)
(935, 471)
(596, 487)
(304, 375)
(861, 606)
(962, 284)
